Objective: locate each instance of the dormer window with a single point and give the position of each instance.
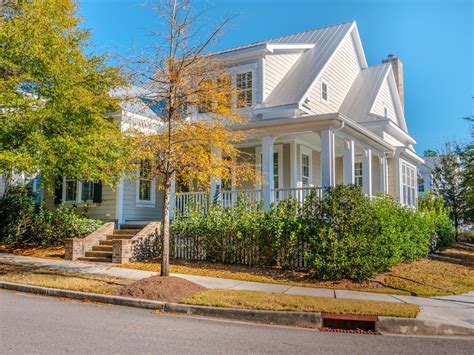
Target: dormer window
(324, 90)
(244, 88)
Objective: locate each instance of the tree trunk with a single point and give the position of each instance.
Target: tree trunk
(456, 226)
(165, 243)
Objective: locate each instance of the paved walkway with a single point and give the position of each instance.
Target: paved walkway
(458, 310)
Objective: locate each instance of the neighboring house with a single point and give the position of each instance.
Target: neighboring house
(319, 116)
(426, 173)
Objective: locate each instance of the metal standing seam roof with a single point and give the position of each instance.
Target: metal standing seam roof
(302, 74)
(363, 92)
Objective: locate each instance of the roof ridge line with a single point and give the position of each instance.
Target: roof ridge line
(275, 37)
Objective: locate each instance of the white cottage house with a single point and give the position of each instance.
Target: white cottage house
(319, 116)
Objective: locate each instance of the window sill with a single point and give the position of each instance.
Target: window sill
(145, 204)
(80, 204)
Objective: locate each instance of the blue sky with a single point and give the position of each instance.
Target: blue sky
(434, 39)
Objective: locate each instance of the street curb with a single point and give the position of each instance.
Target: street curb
(300, 319)
(393, 325)
(79, 295)
(415, 326)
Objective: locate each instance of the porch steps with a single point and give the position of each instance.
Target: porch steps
(103, 251)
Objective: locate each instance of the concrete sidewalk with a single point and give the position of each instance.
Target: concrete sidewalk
(457, 310)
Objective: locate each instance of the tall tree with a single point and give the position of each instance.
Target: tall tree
(449, 183)
(194, 98)
(467, 159)
(54, 97)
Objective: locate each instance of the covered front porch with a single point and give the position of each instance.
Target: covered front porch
(294, 160)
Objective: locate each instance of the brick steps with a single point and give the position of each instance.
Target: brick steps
(102, 252)
(102, 248)
(99, 254)
(95, 259)
(120, 236)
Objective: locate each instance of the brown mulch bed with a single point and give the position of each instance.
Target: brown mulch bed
(159, 288)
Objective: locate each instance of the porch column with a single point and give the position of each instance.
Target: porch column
(349, 160)
(293, 165)
(119, 203)
(383, 175)
(367, 172)
(216, 183)
(216, 186)
(172, 197)
(328, 165)
(267, 171)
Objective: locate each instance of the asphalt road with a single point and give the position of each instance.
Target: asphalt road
(33, 324)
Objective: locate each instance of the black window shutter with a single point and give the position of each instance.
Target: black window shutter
(58, 190)
(97, 192)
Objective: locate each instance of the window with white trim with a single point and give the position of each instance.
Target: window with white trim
(277, 165)
(77, 191)
(305, 166)
(324, 90)
(87, 191)
(408, 184)
(358, 174)
(145, 182)
(70, 188)
(244, 89)
(385, 111)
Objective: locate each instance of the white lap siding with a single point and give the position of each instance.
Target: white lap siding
(276, 67)
(340, 74)
(136, 212)
(104, 210)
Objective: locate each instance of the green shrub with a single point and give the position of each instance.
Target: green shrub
(443, 233)
(17, 214)
(21, 221)
(343, 235)
(340, 230)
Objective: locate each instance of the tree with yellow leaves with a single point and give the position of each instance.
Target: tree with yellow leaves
(196, 105)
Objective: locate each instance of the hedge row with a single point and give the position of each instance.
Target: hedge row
(22, 221)
(343, 235)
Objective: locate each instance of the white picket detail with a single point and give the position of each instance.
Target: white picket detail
(297, 193)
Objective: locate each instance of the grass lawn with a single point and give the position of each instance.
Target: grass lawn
(284, 302)
(37, 251)
(212, 297)
(61, 279)
(451, 272)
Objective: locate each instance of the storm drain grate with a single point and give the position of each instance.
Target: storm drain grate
(349, 323)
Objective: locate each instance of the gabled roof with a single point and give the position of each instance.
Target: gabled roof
(295, 86)
(364, 91)
(300, 78)
(306, 37)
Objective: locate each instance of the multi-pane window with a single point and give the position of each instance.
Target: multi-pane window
(358, 174)
(324, 90)
(145, 182)
(304, 170)
(244, 88)
(87, 193)
(275, 171)
(408, 184)
(71, 190)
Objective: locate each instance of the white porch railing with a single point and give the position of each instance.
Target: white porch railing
(229, 197)
(187, 201)
(297, 193)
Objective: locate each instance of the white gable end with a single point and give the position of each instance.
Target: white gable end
(384, 100)
(276, 67)
(339, 74)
